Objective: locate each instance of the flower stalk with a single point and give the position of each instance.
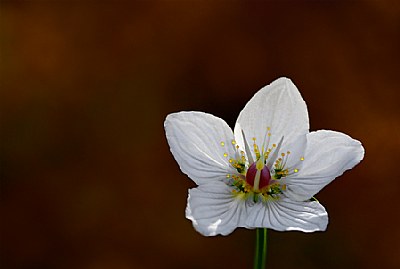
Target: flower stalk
(260, 254)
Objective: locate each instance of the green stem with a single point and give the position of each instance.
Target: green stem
(261, 249)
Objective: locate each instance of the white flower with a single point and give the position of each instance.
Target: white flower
(265, 173)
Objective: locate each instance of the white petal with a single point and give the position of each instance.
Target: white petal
(278, 106)
(327, 156)
(213, 209)
(288, 215)
(195, 141)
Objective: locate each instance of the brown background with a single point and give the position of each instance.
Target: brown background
(87, 179)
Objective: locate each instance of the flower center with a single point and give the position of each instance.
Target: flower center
(259, 179)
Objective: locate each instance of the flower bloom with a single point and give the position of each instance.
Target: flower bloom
(266, 172)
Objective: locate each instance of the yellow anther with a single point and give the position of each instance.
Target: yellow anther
(296, 170)
(283, 154)
(228, 175)
(268, 128)
(230, 160)
(233, 142)
(288, 152)
(274, 145)
(222, 144)
(269, 134)
(225, 154)
(284, 187)
(302, 159)
(237, 146)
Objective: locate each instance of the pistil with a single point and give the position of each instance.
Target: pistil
(258, 175)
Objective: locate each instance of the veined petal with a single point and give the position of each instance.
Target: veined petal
(201, 144)
(213, 209)
(288, 215)
(279, 106)
(327, 156)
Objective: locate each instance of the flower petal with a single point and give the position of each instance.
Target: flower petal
(288, 215)
(198, 142)
(279, 106)
(327, 156)
(213, 209)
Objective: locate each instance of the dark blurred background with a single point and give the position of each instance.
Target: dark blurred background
(87, 179)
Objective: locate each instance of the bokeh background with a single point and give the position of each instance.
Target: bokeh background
(87, 179)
